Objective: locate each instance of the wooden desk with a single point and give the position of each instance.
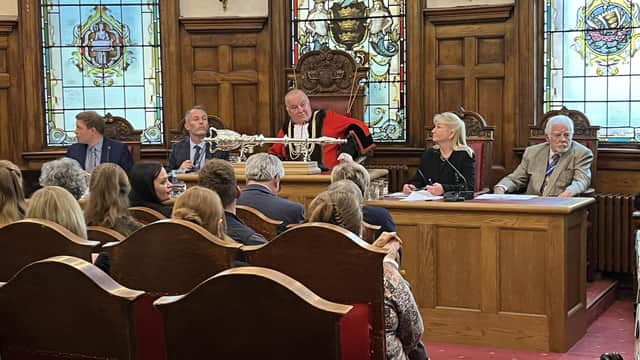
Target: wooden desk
(298, 188)
(498, 273)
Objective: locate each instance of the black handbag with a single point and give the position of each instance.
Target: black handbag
(419, 352)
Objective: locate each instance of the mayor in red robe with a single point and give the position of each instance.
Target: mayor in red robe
(305, 123)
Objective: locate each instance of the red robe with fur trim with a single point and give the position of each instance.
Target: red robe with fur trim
(330, 123)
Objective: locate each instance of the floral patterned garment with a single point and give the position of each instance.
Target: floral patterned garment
(402, 320)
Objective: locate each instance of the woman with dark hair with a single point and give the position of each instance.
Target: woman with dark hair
(150, 186)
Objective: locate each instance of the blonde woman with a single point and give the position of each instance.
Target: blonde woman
(56, 204)
(108, 202)
(403, 324)
(202, 206)
(436, 172)
(12, 205)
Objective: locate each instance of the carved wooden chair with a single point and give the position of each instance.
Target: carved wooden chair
(25, 241)
(65, 308)
(103, 234)
(276, 316)
(259, 222)
(169, 257)
(145, 215)
(331, 79)
(584, 133)
(181, 133)
(338, 266)
(480, 139)
(118, 128)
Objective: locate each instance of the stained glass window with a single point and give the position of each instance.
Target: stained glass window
(105, 56)
(591, 63)
(374, 30)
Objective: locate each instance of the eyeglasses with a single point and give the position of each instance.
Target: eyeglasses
(557, 135)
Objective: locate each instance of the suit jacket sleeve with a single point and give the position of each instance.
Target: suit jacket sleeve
(173, 163)
(581, 171)
(125, 159)
(519, 178)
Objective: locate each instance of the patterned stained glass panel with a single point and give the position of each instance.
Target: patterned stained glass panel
(591, 63)
(105, 56)
(377, 33)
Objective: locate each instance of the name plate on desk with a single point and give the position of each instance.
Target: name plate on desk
(290, 168)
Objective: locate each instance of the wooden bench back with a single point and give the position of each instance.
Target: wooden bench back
(26, 241)
(169, 257)
(259, 222)
(251, 313)
(335, 264)
(66, 308)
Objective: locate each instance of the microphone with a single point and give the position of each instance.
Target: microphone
(460, 195)
(419, 172)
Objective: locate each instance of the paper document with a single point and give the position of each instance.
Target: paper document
(421, 195)
(506, 197)
(397, 195)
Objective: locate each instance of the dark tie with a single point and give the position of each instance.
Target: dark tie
(550, 167)
(196, 157)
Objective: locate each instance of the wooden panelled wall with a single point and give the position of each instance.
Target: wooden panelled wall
(485, 58)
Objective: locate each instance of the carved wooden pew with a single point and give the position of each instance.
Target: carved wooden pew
(145, 215)
(26, 241)
(251, 313)
(259, 222)
(169, 257)
(65, 308)
(337, 265)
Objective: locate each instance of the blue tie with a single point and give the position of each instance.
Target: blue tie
(550, 167)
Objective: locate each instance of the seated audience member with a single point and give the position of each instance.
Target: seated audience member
(218, 175)
(202, 206)
(191, 153)
(150, 186)
(66, 173)
(264, 172)
(93, 148)
(56, 204)
(108, 203)
(436, 170)
(403, 324)
(12, 205)
(558, 167)
(373, 215)
(306, 123)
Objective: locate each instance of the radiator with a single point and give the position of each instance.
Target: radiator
(613, 233)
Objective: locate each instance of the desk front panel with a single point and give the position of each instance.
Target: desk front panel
(491, 277)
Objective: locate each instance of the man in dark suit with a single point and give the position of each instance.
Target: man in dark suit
(191, 153)
(93, 148)
(264, 172)
(218, 175)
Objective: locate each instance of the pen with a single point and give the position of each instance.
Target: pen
(429, 182)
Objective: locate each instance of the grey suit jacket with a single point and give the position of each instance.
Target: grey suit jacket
(573, 172)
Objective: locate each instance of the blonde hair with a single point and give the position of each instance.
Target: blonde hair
(454, 123)
(108, 196)
(354, 172)
(347, 186)
(12, 204)
(337, 207)
(201, 206)
(56, 204)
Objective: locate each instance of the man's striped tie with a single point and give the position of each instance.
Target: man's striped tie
(550, 167)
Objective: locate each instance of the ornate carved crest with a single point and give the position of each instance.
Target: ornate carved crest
(328, 71)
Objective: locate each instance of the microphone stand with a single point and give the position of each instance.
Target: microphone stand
(461, 194)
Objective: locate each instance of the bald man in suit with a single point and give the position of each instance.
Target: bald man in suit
(559, 167)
